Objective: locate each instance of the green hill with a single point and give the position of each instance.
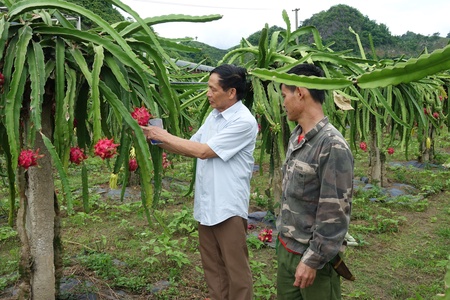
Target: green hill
(207, 55)
(333, 26)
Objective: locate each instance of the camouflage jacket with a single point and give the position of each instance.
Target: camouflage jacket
(317, 193)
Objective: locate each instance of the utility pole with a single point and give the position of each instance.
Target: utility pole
(296, 20)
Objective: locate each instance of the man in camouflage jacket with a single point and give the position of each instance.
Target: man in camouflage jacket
(316, 201)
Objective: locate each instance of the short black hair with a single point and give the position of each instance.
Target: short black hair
(309, 70)
(231, 76)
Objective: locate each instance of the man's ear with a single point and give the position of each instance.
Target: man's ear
(232, 93)
(299, 92)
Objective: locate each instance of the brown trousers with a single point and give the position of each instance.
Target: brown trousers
(224, 254)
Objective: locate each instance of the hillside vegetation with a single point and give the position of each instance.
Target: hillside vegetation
(333, 26)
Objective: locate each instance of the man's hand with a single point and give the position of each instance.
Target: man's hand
(154, 132)
(178, 145)
(304, 276)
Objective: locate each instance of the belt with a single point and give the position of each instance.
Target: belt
(337, 262)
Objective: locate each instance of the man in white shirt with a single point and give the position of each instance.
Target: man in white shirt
(224, 147)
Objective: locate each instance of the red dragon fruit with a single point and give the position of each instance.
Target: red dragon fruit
(77, 155)
(265, 235)
(363, 146)
(132, 164)
(28, 158)
(105, 148)
(141, 115)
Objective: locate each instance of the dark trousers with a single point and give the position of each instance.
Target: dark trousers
(224, 254)
(326, 286)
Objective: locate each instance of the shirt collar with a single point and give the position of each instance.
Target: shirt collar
(226, 114)
(321, 124)
(314, 130)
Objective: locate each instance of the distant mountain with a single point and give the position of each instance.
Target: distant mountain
(333, 26)
(208, 55)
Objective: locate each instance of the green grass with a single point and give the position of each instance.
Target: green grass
(403, 251)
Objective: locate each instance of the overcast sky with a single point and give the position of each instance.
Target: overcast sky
(242, 18)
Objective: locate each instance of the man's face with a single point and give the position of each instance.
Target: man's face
(291, 103)
(218, 98)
